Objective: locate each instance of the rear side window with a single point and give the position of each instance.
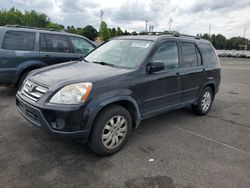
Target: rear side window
(54, 43)
(209, 54)
(167, 53)
(81, 46)
(191, 55)
(19, 40)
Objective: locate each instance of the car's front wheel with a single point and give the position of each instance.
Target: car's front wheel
(111, 130)
(204, 103)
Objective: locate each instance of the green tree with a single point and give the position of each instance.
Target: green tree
(71, 29)
(119, 31)
(55, 26)
(104, 31)
(126, 32)
(34, 19)
(113, 32)
(219, 41)
(90, 32)
(205, 36)
(28, 18)
(11, 17)
(236, 43)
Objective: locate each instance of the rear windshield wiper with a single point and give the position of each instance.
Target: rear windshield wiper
(104, 63)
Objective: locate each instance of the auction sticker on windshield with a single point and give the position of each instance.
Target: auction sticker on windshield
(140, 45)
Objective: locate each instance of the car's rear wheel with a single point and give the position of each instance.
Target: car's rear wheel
(111, 130)
(204, 103)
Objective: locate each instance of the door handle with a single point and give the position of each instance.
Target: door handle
(46, 56)
(178, 75)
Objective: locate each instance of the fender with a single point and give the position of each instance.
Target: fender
(28, 64)
(208, 82)
(100, 106)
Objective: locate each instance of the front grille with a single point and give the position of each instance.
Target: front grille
(33, 90)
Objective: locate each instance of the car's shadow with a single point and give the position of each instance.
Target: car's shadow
(7, 91)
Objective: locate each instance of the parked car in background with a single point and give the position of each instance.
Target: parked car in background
(23, 49)
(103, 97)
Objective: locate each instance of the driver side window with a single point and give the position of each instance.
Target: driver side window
(167, 53)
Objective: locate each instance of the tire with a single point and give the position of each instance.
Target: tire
(22, 78)
(204, 103)
(108, 136)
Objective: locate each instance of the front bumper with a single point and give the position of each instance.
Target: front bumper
(64, 123)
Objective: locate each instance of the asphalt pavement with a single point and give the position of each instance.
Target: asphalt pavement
(176, 149)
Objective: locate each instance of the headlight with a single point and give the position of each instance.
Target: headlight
(72, 94)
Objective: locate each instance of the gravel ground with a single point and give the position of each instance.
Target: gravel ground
(187, 150)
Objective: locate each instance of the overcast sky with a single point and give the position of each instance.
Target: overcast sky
(228, 17)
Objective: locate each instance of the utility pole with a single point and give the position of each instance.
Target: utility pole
(209, 30)
(146, 28)
(244, 34)
(151, 28)
(101, 15)
(170, 22)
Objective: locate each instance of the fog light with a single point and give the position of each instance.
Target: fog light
(59, 124)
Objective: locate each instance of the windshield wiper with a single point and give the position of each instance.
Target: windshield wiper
(83, 59)
(104, 63)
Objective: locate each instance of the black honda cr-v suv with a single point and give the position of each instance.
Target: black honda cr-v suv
(125, 80)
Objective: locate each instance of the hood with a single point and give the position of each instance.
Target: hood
(75, 72)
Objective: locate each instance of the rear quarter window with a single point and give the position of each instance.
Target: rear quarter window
(19, 40)
(208, 53)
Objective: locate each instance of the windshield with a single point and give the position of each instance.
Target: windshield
(120, 53)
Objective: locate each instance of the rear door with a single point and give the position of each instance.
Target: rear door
(212, 62)
(55, 48)
(81, 46)
(194, 71)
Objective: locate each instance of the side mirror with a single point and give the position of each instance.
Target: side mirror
(155, 67)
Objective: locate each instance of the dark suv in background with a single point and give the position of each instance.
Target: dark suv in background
(23, 49)
(125, 80)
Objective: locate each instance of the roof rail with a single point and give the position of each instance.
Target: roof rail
(173, 33)
(29, 27)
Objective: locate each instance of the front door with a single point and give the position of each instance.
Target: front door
(161, 90)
